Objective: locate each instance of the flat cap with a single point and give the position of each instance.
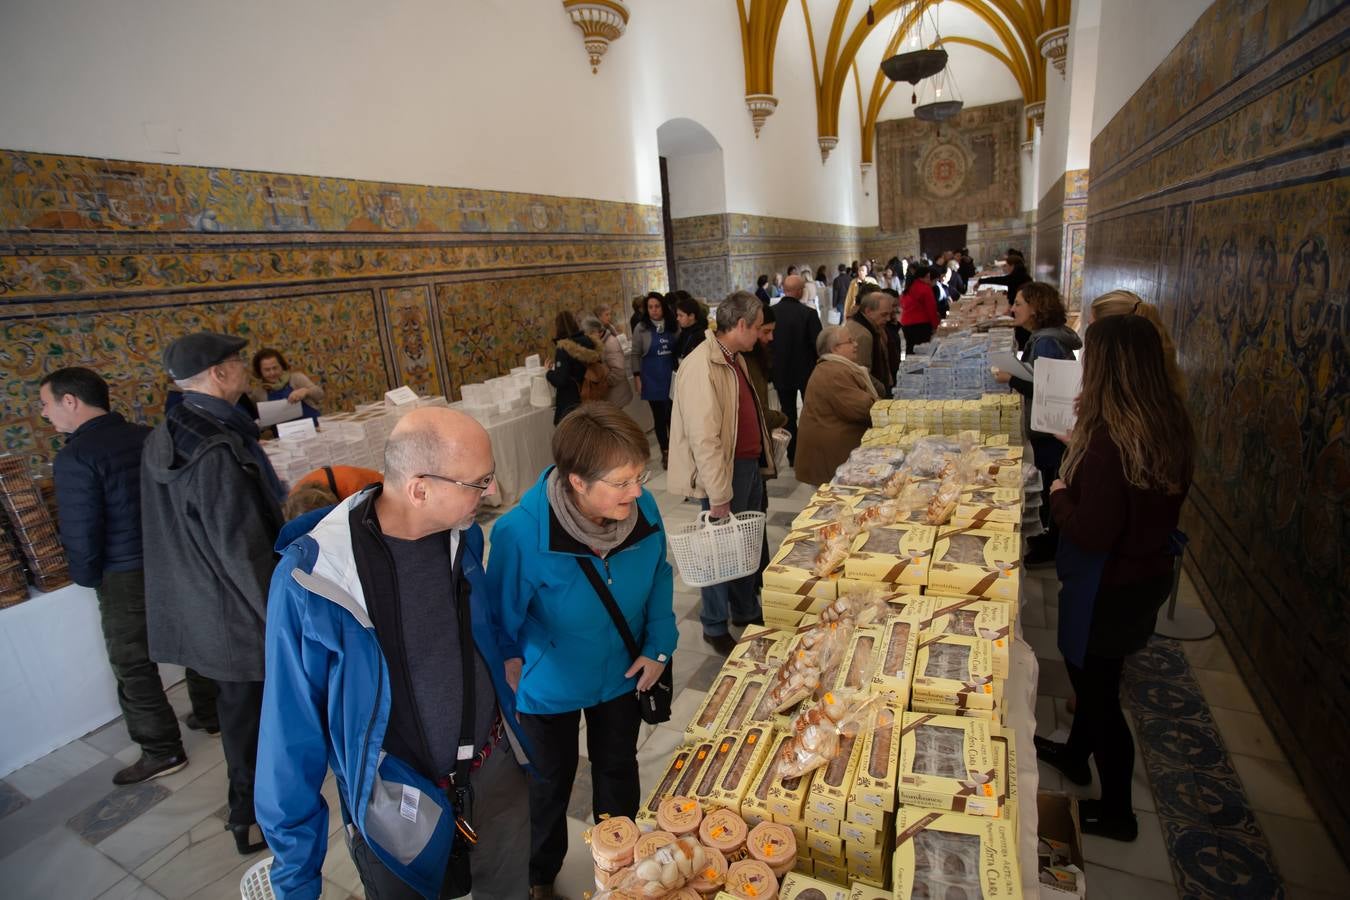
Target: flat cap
(195, 353)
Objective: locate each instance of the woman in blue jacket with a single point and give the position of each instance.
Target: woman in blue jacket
(564, 654)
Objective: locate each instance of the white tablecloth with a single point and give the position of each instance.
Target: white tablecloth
(521, 450)
(55, 681)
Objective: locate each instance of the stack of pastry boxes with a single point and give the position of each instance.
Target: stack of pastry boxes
(929, 790)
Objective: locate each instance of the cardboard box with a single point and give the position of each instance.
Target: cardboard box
(935, 852)
(896, 594)
(733, 781)
(994, 716)
(826, 506)
(968, 617)
(1057, 822)
(837, 875)
(797, 886)
(693, 769)
(790, 570)
(856, 835)
(997, 508)
(859, 662)
(793, 602)
(865, 816)
(948, 763)
(665, 785)
(866, 863)
(743, 709)
(860, 890)
(831, 785)
(798, 828)
(755, 804)
(978, 562)
(894, 670)
(804, 866)
(707, 719)
(825, 846)
(761, 646)
(874, 783)
(786, 796)
(894, 554)
(822, 823)
(955, 671)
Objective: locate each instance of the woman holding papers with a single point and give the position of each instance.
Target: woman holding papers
(280, 383)
(1126, 474)
(1040, 310)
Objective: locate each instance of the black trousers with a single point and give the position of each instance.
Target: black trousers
(1100, 730)
(915, 335)
(202, 692)
(239, 707)
(661, 422)
(149, 718)
(611, 744)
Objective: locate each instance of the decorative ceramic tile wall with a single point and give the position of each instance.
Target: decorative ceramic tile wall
(1061, 230)
(1221, 191)
(365, 285)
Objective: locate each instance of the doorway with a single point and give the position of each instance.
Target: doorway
(934, 241)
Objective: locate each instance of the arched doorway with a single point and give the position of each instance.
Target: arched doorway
(693, 207)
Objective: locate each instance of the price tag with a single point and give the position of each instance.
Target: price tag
(400, 396)
(296, 430)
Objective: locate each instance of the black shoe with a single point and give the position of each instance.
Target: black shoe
(722, 643)
(248, 839)
(1040, 556)
(146, 768)
(196, 724)
(757, 620)
(1056, 755)
(1095, 819)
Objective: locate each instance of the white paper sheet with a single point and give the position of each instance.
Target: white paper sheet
(270, 412)
(1008, 362)
(1056, 384)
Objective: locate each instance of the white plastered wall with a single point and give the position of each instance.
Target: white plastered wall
(491, 94)
(1138, 36)
(1066, 141)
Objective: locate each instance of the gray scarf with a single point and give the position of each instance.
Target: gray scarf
(600, 538)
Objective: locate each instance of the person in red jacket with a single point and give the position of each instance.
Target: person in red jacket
(918, 309)
(1123, 481)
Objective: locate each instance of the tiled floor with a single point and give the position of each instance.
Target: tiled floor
(66, 833)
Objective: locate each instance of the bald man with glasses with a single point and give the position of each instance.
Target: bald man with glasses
(382, 662)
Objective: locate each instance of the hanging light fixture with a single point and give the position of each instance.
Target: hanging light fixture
(916, 64)
(941, 108)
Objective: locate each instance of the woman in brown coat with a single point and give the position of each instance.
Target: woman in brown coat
(837, 409)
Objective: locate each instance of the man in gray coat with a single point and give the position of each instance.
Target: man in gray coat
(210, 513)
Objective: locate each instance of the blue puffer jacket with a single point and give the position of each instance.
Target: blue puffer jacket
(98, 496)
(326, 704)
(550, 617)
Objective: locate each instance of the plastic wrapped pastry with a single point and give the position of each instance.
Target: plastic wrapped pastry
(816, 732)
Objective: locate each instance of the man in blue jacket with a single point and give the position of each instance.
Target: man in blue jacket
(382, 662)
(98, 494)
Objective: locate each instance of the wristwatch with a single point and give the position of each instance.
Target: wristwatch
(661, 657)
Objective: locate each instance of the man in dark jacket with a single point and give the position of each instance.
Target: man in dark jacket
(98, 493)
(210, 510)
(840, 287)
(794, 352)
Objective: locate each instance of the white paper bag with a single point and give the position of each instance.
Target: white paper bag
(1056, 385)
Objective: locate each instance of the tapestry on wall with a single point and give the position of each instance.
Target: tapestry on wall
(966, 170)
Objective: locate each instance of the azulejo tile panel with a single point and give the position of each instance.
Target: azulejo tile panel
(1220, 192)
(103, 263)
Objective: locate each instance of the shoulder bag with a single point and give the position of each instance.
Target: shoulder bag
(653, 703)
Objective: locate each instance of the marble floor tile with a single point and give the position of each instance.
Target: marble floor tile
(1272, 786)
(1033, 613)
(1247, 733)
(691, 640)
(11, 799)
(57, 864)
(1226, 690)
(208, 858)
(1146, 856)
(111, 738)
(579, 806)
(1304, 852)
(121, 806)
(56, 806)
(1054, 679)
(1043, 641)
(130, 888)
(658, 747)
(685, 704)
(55, 769)
(577, 876)
(782, 519)
(1104, 883)
(701, 679)
(158, 861)
(140, 839)
(1210, 653)
(340, 869)
(1045, 715)
(1298, 892)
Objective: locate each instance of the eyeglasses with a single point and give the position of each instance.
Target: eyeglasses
(481, 486)
(621, 485)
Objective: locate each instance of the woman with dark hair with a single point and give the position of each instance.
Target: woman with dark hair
(280, 383)
(1125, 477)
(573, 351)
(1039, 310)
(652, 358)
(822, 277)
(918, 309)
(693, 321)
(586, 527)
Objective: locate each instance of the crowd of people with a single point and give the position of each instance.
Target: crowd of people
(354, 622)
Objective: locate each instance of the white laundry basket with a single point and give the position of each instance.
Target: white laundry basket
(257, 883)
(708, 552)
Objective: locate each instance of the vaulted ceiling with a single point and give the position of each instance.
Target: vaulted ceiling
(993, 46)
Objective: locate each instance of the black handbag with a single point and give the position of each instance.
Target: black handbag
(653, 703)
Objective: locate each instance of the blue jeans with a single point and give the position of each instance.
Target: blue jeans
(737, 599)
